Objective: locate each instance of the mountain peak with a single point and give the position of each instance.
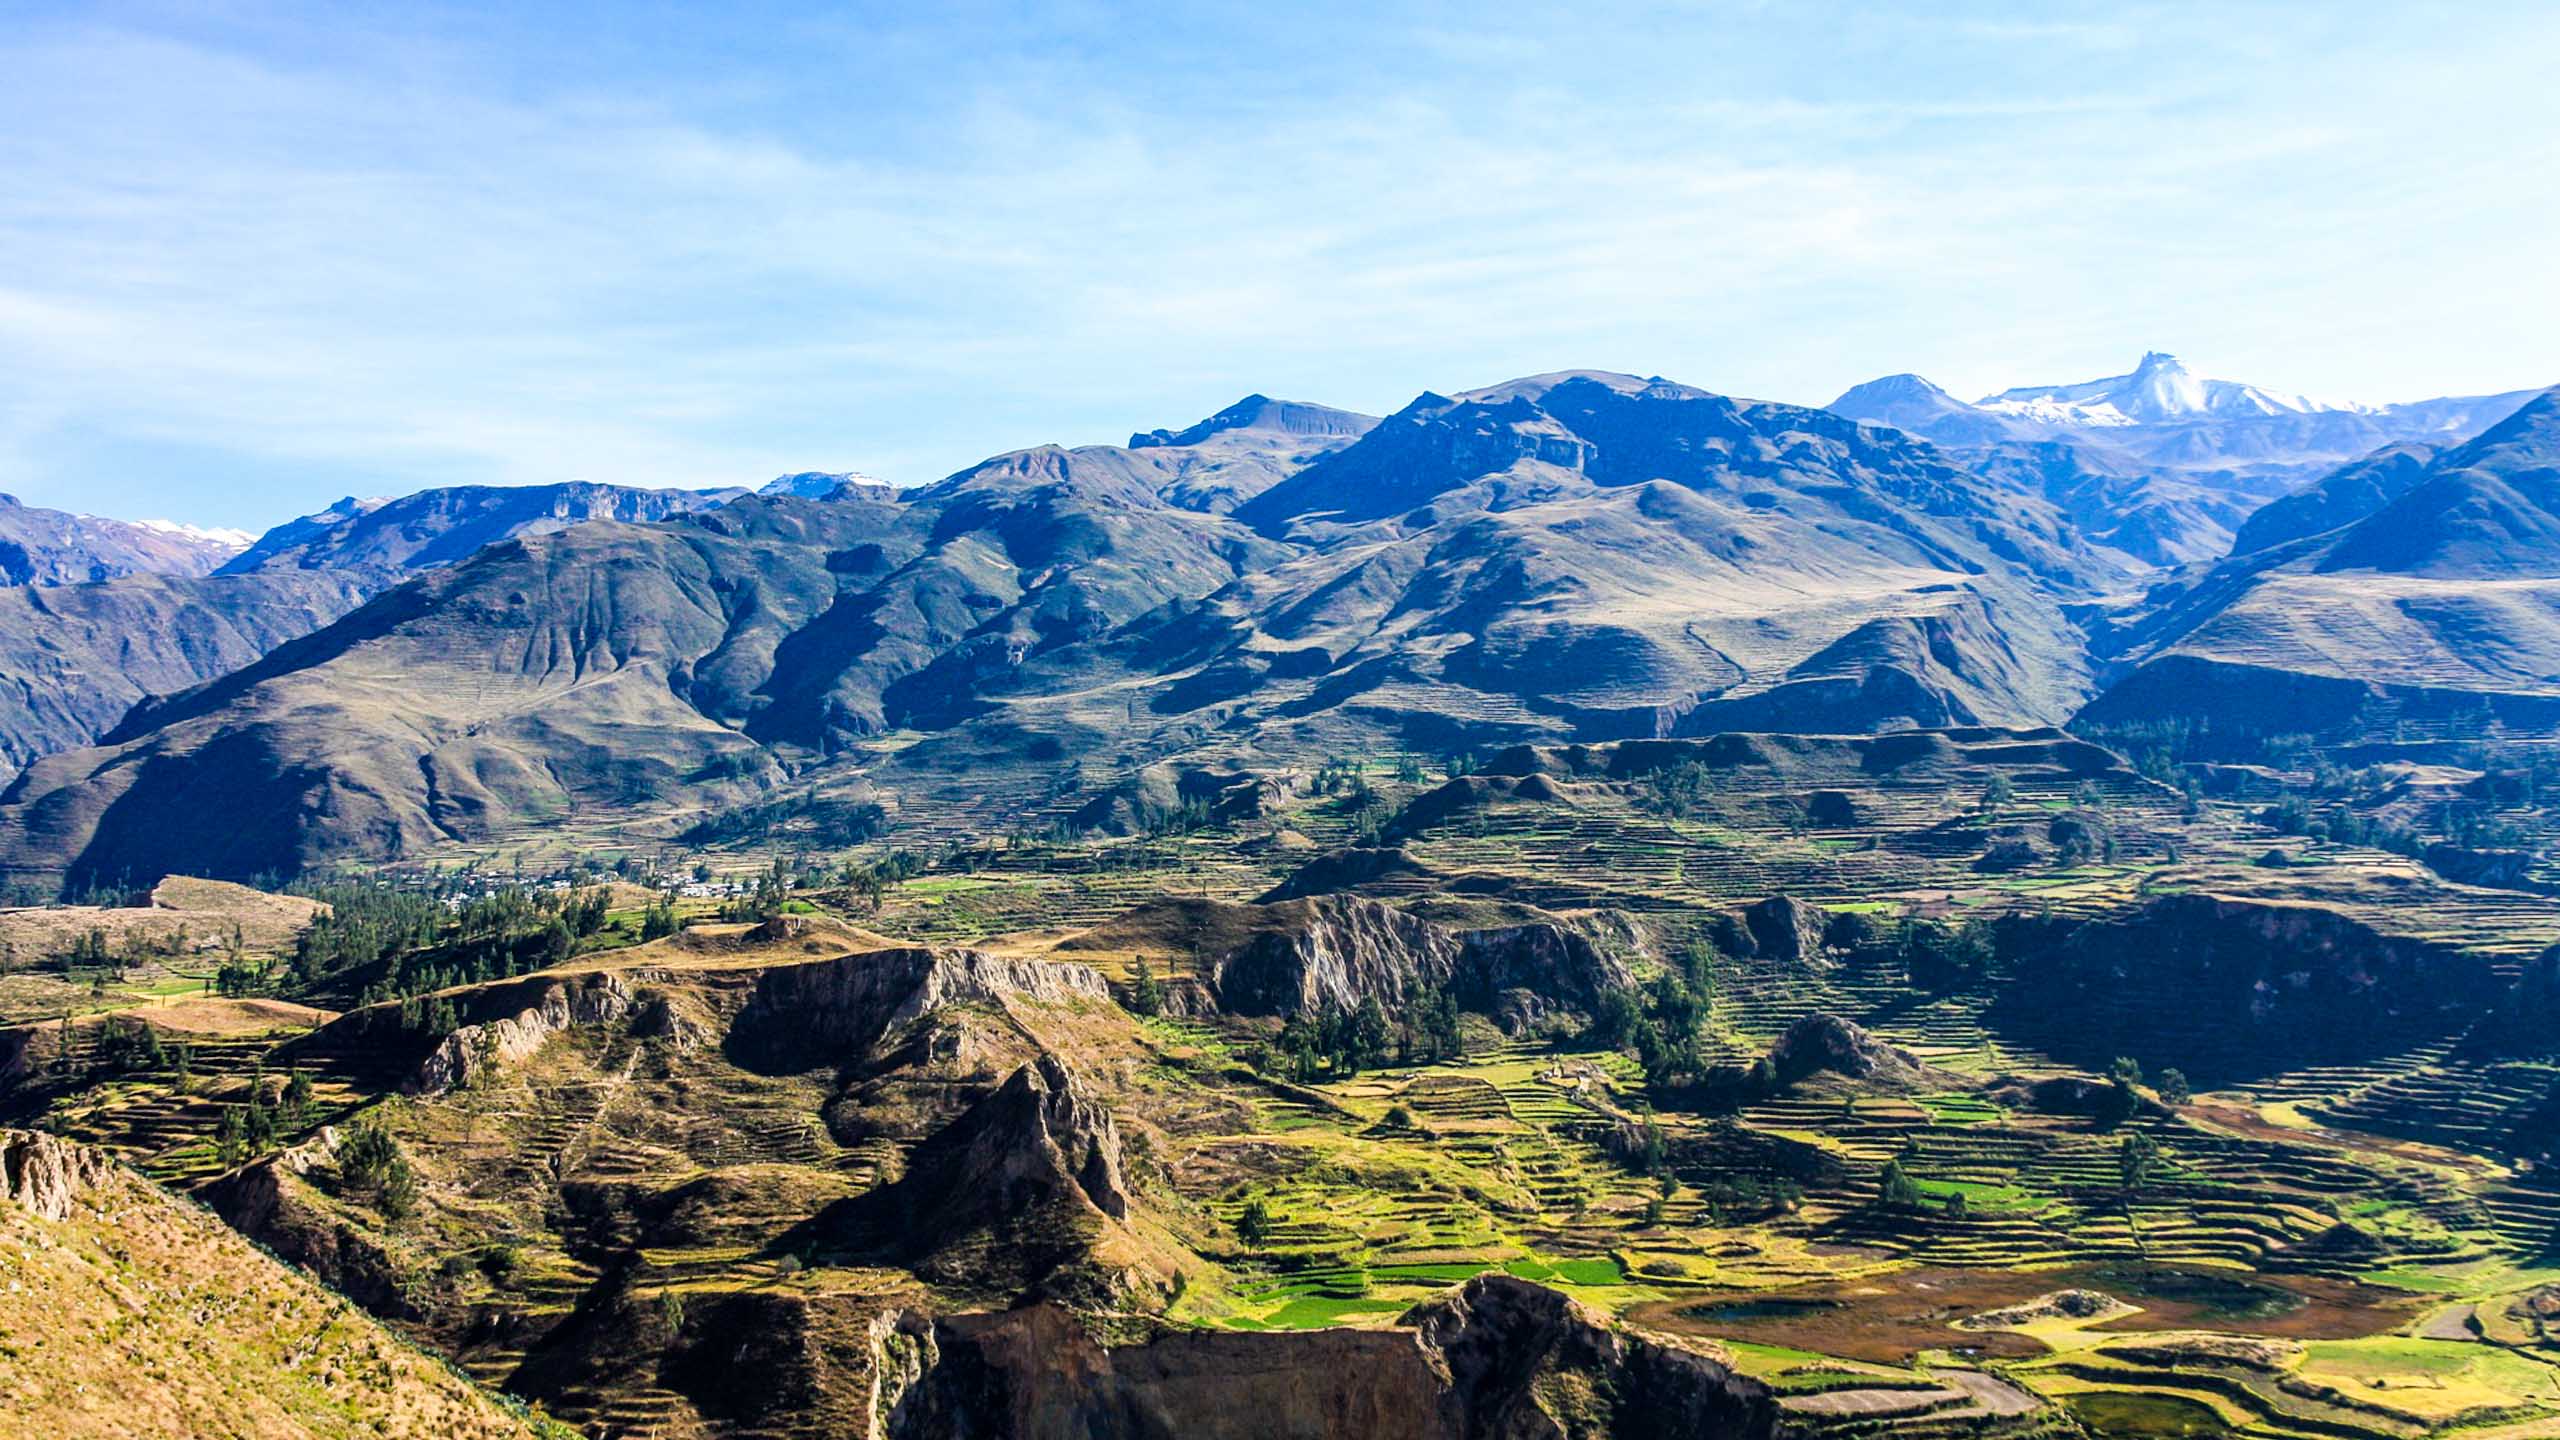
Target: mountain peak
(2159, 390)
(1260, 413)
(830, 485)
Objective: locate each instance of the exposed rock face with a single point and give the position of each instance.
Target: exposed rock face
(2525, 1022)
(1331, 952)
(1496, 1359)
(1017, 1190)
(841, 1010)
(45, 1173)
(2228, 989)
(1819, 1042)
(598, 999)
(1782, 928)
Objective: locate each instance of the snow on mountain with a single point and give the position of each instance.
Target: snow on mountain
(209, 534)
(2158, 391)
(830, 484)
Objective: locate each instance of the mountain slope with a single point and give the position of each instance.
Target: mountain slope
(2443, 602)
(56, 547)
(610, 668)
(2341, 497)
(2245, 442)
(74, 659)
(1576, 556)
(390, 538)
(135, 1313)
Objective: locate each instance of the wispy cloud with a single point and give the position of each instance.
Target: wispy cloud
(364, 261)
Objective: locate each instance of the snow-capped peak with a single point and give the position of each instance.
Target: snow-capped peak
(209, 534)
(2160, 390)
(829, 484)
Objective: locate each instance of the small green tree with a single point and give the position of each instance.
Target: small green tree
(1146, 995)
(2138, 1159)
(1253, 1223)
(370, 1163)
(659, 920)
(229, 1142)
(1895, 1189)
(2173, 1088)
(1999, 793)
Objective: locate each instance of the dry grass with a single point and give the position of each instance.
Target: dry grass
(143, 1316)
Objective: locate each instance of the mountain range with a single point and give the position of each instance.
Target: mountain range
(1577, 556)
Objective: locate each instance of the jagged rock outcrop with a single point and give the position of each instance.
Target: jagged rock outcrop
(461, 1057)
(1331, 952)
(1496, 1359)
(1822, 1043)
(1780, 928)
(844, 1009)
(271, 1201)
(1012, 1198)
(44, 1174)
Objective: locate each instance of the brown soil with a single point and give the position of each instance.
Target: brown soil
(1888, 1319)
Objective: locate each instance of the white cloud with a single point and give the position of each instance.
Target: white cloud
(395, 266)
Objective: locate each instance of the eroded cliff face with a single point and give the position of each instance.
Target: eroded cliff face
(2228, 989)
(843, 1010)
(1331, 952)
(43, 1174)
(1496, 1359)
(1023, 1195)
(585, 1000)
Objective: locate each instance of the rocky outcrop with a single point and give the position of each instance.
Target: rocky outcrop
(1332, 952)
(1495, 1359)
(270, 1200)
(1780, 928)
(1821, 1043)
(43, 1174)
(463, 1056)
(843, 1010)
(2228, 989)
(1010, 1198)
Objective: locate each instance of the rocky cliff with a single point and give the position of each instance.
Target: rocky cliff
(43, 1174)
(845, 1009)
(461, 1057)
(1016, 1197)
(2229, 989)
(1495, 1359)
(1309, 955)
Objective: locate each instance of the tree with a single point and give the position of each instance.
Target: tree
(1999, 793)
(297, 1099)
(228, 1141)
(1253, 1223)
(659, 920)
(2173, 1088)
(2120, 1101)
(1369, 1033)
(1146, 996)
(1614, 1018)
(2138, 1159)
(1895, 1189)
(370, 1163)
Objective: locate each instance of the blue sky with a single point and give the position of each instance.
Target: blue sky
(256, 257)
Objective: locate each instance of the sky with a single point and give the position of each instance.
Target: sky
(254, 258)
